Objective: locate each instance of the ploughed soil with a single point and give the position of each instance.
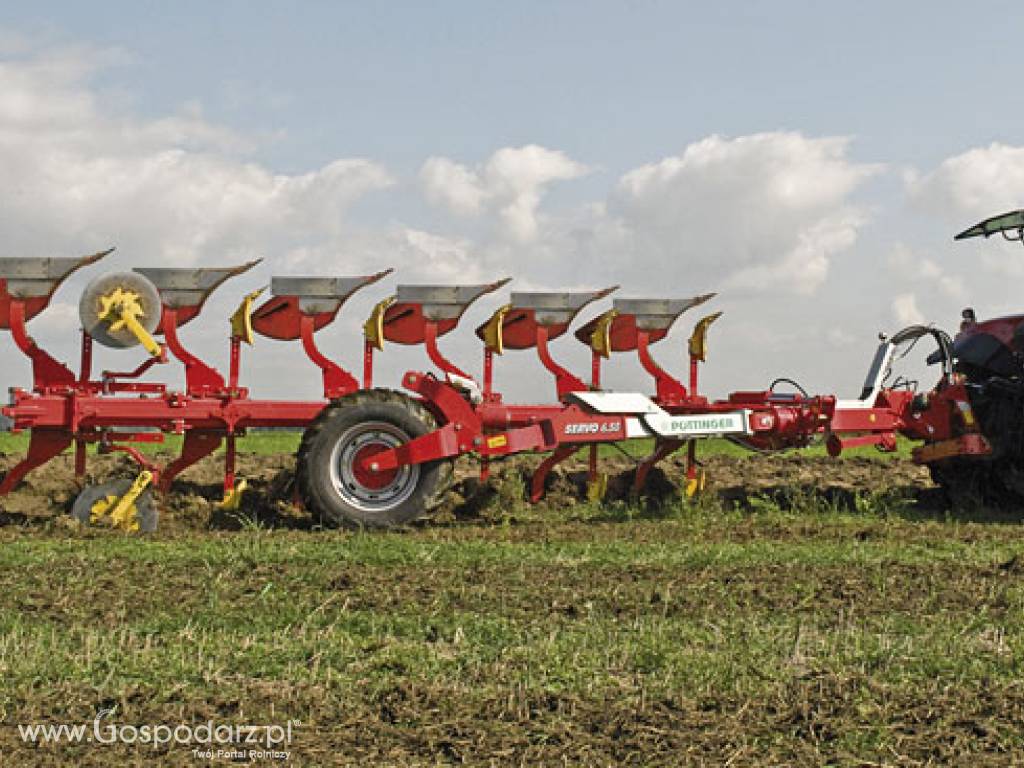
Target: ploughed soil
(808, 611)
(47, 494)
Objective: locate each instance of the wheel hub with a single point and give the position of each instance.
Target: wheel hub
(365, 474)
(352, 473)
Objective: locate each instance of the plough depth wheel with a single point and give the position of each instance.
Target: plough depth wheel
(97, 505)
(331, 477)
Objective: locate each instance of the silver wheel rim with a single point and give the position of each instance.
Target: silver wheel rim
(343, 474)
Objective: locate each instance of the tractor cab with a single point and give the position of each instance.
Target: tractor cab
(992, 346)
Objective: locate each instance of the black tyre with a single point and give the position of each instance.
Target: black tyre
(972, 484)
(330, 480)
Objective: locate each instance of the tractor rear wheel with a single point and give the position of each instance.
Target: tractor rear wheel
(972, 484)
(330, 475)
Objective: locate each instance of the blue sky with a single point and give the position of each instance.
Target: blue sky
(840, 143)
(616, 83)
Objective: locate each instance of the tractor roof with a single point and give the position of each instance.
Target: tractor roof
(1004, 223)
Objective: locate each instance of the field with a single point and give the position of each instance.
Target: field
(804, 611)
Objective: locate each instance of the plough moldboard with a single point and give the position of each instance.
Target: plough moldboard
(380, 457)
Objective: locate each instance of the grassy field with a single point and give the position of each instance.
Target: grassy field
(597, 635)
(263, 443)
(268, 443)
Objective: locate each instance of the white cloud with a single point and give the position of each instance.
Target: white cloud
(511, 183)
(840, 337)
(60, 317)
(170, 189)
(765, 212)
(959, 192)
(921, 270)
(977, 183)
(451, 184)
(804, 267)
(756, 214)
(438, 258)
(904, 307)
(973, 185)
(922, 290)
(419, 256)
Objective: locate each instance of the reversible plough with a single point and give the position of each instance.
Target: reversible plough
(379, 457)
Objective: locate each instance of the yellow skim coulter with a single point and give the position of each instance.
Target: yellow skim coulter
(373, 328)
(121, 309)
(597, 487)
(696, 484)
(241, 320)
(233, 498)
(601, 338)
(699, 339)
(493, 337)
(121, 512)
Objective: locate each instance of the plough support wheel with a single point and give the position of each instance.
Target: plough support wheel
(121, 309)
(125, 504)
(332, 479)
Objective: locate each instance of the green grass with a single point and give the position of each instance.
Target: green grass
(265, 443)
(695, 633)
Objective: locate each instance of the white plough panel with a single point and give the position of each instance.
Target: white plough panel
(652, 420)
(617, 402)
(700, 425)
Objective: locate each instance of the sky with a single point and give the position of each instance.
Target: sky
(809, 162)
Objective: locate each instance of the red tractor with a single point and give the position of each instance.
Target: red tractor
(972, 422)
(988, 364)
